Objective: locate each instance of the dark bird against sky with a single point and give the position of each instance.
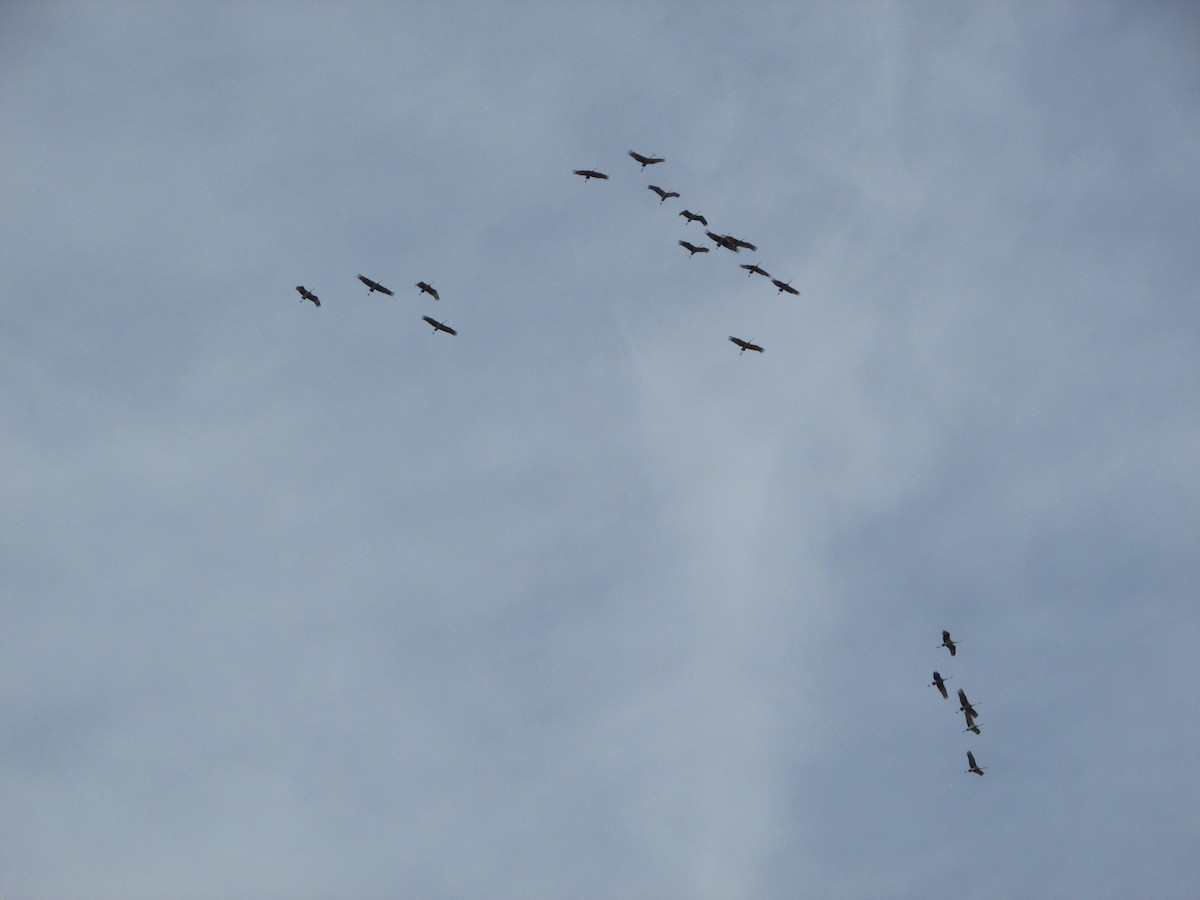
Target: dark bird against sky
(692, 248)
(693, 217)
(374, 286)
(946, 642)
(428, 289)
(439, 326)
(940, 683)
(974, 765)
(722, 241)
(663, 195)
(306, 294)
(646, 160)
(746, 345)
(591, 173)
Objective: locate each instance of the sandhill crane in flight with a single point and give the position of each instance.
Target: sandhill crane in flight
(949, 644)
(439, 326)
(692, 249)
(940, 683)
(428, 289)
(693, 217)
(646, 160)
(784, 287)
(971, 726)
(974, 765)
(965, 704)
(740, 243)
(306, 294)
(746, 345)
(755, 270)
(722, 240)
(374, 286)
(663, 195)
(589, 174)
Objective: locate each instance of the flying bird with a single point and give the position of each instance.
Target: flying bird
(971, 726)
(306, 294)
(966, 704)
(755, 270)
(791, 290)
(949, 644)
(694, 217)
(746, 345)
(740, 243)
(374, 286)
(940, 683)
(588, 174)
(663, 195)
(646, 160)
(428, 289)
(439, 326)
(722, 240)
(974, 765)
(692, 248)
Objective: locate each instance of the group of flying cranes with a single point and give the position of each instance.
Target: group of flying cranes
(965, 707)
(373, 286)
(728, 241)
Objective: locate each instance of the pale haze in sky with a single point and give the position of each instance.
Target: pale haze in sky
(307, 602)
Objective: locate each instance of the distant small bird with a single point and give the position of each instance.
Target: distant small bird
(428, 289)
(646, 160)
(591, 173)
(946, 642)
(374, 286)
(693, 217)
(439, 326)
(722, 240)
(971, 726)
(746, 345)
(940, 683)
(791, 290)
(692, 248)
(974, 766)
(663, 195)
(965, 705)
(755, 270)
(306, 294)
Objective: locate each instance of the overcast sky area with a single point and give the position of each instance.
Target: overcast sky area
(308, 602)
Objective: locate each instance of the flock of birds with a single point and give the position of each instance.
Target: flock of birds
(727, 241)
(965, 706)
(373, 286)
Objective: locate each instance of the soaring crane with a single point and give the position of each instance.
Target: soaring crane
(974, 765)
(589, 174)
(663, 195)
(693, 217)
(940, 683)
(428, 289)
(746, 345)
(306, 294)
(692, 248)
(439, 326)
(374, 286)
(949, 644)
(965, 704)
(646, 160)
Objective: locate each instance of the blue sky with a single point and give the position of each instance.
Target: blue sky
(308, 602)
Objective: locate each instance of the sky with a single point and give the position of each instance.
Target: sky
(306, 602)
